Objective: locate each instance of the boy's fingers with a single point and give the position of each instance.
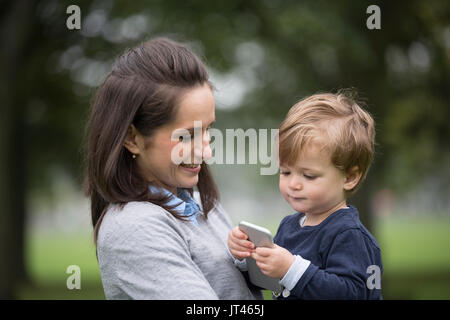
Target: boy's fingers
(245, 254)
(257, 257)
(240, 254)
(261, 266)
(237, 241)
(247, 244)
(262, 251)
(240, 238)
(243, 246)
(238, 233)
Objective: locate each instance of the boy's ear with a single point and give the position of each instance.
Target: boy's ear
(352, 178)
(131, 142)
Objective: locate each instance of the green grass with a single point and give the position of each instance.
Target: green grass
(416, 257)
(415, 254)
(48, 257)
(415, 244)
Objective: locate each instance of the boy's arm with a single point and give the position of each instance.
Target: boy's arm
(295, 272)
(344, 276)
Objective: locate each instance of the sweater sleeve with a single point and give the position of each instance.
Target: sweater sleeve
(344, 276)
(153, 262)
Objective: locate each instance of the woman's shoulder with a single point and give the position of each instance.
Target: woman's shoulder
(123, 220)
(136, 212)
(218, 212)
(218, 207)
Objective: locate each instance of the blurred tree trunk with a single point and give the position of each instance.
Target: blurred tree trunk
(18, 176)
(15, 30)
(6, 269)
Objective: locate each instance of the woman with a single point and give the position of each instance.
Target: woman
(154, 241)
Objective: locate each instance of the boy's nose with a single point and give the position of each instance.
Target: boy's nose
(294, 184)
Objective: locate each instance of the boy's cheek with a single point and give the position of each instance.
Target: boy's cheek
(281, 187)
(283, 190)
(285, 196)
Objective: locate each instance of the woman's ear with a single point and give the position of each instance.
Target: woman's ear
(131, 142)
(352, 178)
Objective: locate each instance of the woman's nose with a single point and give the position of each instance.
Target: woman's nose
(207, 152)
(198, 154)
(204, 152)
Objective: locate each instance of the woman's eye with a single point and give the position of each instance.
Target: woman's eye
(186, 138)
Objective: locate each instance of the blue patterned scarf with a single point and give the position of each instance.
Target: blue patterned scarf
(187, 207)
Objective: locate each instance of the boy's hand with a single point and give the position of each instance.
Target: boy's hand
(238, 244)
(273, 262)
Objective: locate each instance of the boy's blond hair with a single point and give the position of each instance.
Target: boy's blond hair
(337, 123)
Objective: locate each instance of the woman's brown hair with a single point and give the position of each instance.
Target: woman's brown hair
(142, 89)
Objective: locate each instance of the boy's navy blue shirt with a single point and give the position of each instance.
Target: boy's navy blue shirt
(340, 249)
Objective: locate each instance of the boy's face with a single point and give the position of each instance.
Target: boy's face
(314, 185)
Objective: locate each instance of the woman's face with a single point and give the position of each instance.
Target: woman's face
(159, 156)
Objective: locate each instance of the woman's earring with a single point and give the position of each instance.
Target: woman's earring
(134, 156)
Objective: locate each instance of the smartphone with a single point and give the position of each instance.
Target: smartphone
(261, 237)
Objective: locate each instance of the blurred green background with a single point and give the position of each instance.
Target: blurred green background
(262, 56)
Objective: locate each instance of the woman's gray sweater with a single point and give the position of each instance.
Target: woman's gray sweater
(146, 253)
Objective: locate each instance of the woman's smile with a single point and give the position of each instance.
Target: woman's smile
(192, 168)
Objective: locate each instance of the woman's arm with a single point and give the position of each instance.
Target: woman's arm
(149, 259)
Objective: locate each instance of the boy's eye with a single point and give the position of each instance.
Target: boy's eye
(309, 177)
(284, 173)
